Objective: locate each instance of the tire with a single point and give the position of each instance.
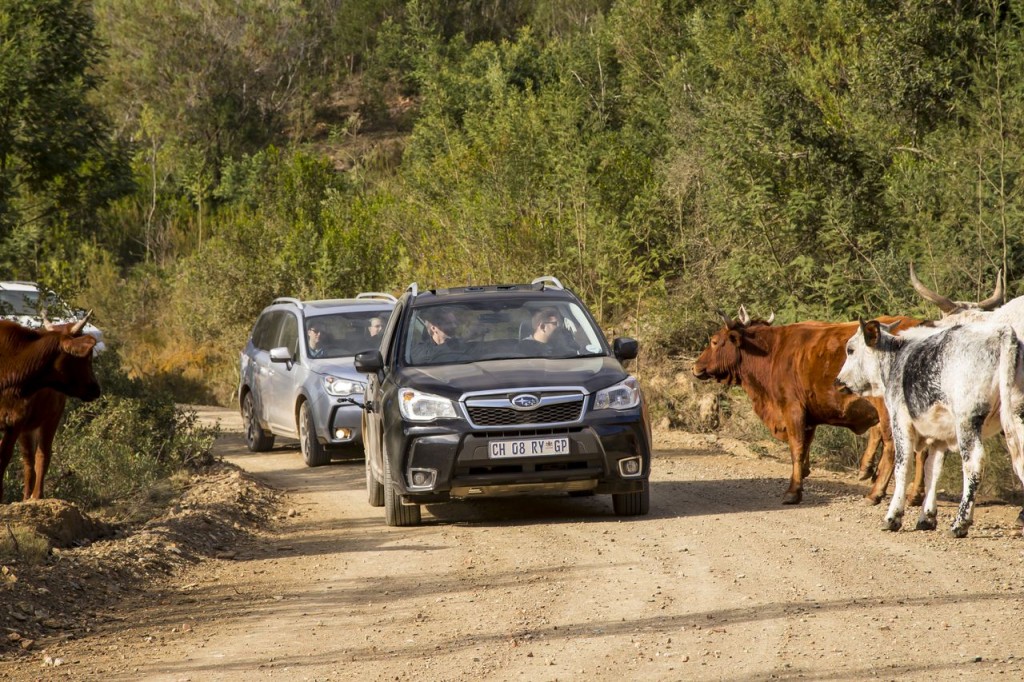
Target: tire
(396, 513)
(256, 439)
(374, 488)
(633, 504)
(313, 452)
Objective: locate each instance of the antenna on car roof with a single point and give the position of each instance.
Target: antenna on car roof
(547, 280)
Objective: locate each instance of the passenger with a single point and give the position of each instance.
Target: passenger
(316, 340)
(548, 337)
(545, 323)
(375, 326)
(442, 343)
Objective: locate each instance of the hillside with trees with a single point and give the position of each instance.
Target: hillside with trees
(176, 164)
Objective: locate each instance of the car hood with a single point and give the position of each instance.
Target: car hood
(452, 381)
(338, 367)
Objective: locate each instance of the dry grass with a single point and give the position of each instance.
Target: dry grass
(22, 545)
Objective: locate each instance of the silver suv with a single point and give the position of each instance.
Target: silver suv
(29, 305)
(297, 375)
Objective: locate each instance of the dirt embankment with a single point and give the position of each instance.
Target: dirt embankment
(276, 571)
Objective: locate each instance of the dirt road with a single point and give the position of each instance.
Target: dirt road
(720, 582)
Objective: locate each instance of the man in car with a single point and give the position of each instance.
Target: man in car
(442, 344)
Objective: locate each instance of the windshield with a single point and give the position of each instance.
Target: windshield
(29, 303)
(340, 335)
(500, 329)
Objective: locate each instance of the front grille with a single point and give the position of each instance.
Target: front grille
(546, 414)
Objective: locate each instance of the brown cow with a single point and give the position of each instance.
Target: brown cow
(787, 372)
(38, 370)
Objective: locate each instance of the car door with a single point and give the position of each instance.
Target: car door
(284, 378)
(372, 434)
(259, 368)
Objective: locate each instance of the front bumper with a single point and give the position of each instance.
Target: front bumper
(338, 421)
(462, 468)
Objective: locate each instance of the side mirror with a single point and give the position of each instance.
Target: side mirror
(625, 348)
(280, 354)
(369, 362)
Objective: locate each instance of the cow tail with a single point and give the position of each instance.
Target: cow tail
(1011, 394)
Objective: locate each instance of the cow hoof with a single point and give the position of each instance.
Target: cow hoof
(958, 532)
(928, 523)
(792, 498)
(865, 474)
(916, 500)
(806, 471)
(870, 500)
(892, 525)
(1020, 517)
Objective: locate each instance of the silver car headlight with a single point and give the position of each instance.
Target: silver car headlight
(622, 396)
(337, 386)
(417, 406)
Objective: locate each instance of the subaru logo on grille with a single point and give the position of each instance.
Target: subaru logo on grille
(525, 401)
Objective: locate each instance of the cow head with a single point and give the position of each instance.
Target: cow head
(72, 371)
(861, 372)
(721, 359)
(950, 307)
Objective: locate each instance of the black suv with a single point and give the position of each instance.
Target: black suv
(500, 390)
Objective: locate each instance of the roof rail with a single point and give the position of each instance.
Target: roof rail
(414, 288)
(548, 280)
(288, 299)
(377, 294)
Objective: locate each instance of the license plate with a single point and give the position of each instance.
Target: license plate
(528, 447)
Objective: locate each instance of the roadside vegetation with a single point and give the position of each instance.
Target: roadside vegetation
(175, 164)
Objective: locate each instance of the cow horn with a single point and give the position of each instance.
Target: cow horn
(996, 299)
(80, 325)
(945, 305)
(728, 320)
(771, 318)
(744, 316)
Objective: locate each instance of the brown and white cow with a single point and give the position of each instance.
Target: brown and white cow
(787, 372)
(38, 370)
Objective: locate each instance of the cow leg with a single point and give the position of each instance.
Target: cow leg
(27, 442)
(36, 450)
(883, 472)
(972, 451)
(867, 460)
(6, 451)
(932, 468)
(799, 451)
(920, 471)
(901, 450)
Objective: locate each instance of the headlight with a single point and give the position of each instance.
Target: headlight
(336, 386)
(417, 406)
(621, 396)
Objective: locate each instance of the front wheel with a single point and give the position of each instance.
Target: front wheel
(255, 438)
(636, 503)
(396, 513)
(313, 452)
(374, 488)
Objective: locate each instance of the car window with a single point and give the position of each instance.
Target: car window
(32, 303)
(503, 328)
(267, 329)
(346, 334)
(289, 336)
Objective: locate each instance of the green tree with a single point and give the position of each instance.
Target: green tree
(58, 165)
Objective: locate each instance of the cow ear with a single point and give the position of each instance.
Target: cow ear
(79, 346)
(871, 333)
(735, 338)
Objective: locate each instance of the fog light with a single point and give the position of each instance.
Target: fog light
(342, 434)
(630, 467)
(422, 479)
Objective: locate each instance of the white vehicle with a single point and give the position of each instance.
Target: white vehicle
(28, 305)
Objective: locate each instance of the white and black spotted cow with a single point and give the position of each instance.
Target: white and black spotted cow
(947, 388)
